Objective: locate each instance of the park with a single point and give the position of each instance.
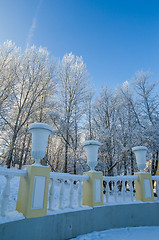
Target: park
(75, 204)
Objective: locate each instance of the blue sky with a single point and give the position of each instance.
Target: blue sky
(115, 38)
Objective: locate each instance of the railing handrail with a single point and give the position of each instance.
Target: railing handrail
(121, 178)
(13, 172)
(67, 176)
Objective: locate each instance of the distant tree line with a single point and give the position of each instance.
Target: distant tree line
(36, 88)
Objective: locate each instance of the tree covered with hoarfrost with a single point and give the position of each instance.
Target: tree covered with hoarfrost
(126, 118)
(105, 125)
(31, 75)
(148, 112)
(72, 102)
(33, 88)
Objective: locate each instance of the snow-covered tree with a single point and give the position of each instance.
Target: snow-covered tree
(127, 123)
(148, 112)
(105, 122)
(125, 118)
(72, 96)
(32, 78)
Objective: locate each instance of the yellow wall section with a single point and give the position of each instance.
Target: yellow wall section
(25, 193)
(157, 173)
(140, 190)
(89, 189)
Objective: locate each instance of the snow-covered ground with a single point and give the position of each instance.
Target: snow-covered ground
(137, 233)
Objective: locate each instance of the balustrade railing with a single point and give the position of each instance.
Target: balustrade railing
(8, 174)
(119, 188)
(63, 189)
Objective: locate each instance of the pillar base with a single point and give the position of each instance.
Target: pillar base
(93, 189)
(33, 192)
(144, 189)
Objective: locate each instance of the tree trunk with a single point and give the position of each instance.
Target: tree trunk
(66, 157)
(27, 150)
(153, 165)
(22, 151)
(132, 162)
(74, 167)
(10, 154)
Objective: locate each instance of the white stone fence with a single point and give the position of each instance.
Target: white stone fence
(8, 174)
(120, 187)
(61, 180)
(40, 190)
(66, 189)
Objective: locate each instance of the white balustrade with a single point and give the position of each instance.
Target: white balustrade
(60, 180)
(8, 174)
(51, 194)
(71, 194)
(119, 188)
(123, 190)
(80, 193)
(61, 194)
(5, 195)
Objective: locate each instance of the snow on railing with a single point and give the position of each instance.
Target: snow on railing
(119, 188)
(65, 190)
(8, 174)
(155, 183)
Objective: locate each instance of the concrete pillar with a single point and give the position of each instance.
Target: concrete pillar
(33, 192)
(93, 189)
(144, 189)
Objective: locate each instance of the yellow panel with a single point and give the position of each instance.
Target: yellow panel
(89, 189)
(25, 193)
(140, 189)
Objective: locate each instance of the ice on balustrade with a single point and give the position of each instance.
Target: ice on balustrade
(14, 185)
(65, 194)
(65, 203)
(11, 213)
(119, 191)
(57, 184)
(65, 190)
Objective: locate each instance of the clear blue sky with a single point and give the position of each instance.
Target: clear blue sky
(116, 38)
